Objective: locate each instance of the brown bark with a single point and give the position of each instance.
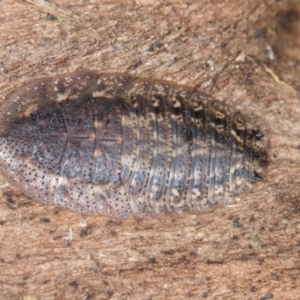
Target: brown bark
(245, 53)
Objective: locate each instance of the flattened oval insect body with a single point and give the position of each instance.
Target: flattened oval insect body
(119, 146)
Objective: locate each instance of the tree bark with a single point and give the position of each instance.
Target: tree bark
(245, 53)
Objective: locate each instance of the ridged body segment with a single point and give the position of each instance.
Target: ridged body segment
(120, 146)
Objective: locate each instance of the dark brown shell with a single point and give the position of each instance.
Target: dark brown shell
(119, 146)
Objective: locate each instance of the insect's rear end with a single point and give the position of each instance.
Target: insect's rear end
(120, 146)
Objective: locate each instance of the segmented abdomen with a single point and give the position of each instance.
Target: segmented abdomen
(120, 146)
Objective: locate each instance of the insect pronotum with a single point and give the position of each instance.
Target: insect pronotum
(120, 146)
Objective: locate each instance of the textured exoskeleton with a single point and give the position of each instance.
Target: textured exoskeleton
(120, 146)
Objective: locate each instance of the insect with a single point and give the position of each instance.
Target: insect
(120, 146)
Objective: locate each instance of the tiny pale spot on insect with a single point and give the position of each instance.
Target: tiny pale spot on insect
(62, 96)
(101, 94)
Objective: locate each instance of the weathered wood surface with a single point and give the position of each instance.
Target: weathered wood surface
(246, 54)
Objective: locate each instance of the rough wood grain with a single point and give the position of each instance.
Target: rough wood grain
(243, 53)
